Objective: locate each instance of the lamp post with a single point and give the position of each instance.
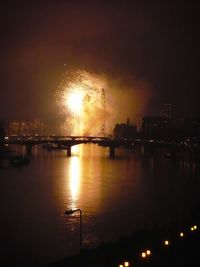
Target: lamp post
(69, 212)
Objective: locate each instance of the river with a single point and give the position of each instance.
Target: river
(117, 197)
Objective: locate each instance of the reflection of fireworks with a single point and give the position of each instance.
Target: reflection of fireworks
(79, 97)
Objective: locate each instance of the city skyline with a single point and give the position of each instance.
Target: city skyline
(147, 52)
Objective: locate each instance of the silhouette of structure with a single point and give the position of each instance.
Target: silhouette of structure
(166, 111)
(103, 104)
(124, 130)
(154, 127)
(2, 130)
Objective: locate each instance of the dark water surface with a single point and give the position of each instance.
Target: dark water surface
(117, 197)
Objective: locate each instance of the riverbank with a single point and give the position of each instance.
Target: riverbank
(174, 245)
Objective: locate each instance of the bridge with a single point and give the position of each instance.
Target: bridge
(66, 142)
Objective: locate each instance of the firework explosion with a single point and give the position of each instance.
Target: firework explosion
(81, 99)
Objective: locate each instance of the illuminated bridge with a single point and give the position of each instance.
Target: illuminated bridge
(66, 142)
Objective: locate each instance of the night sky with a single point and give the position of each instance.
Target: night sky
(157, 44)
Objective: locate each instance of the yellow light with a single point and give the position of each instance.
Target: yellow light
(195, 227)
(121, 265)
(74, 182)
(192, 228)
(166, 242)
(181, 234)
(126, 263)
(143, 255)
(148, 252)
(75, 149)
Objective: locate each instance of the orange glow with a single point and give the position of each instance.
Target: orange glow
(126, 263)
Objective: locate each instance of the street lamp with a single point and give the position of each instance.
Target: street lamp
(69, 212)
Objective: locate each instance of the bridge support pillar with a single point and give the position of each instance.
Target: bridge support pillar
(112, 151)
(29, 150)
(195, 156)
(147, 149)
(69, 151)
(172, 154)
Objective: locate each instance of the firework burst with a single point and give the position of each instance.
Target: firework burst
(79, 97)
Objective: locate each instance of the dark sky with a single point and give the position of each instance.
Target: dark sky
(154, 43)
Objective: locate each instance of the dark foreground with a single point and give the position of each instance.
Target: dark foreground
(183, 249)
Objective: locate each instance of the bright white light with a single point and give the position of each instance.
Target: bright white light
(143, 255)
(148, 252)
(74, 101)
(75, 149)
(166, 242)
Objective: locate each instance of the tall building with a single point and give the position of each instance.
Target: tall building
(2, 130)
(166, 111)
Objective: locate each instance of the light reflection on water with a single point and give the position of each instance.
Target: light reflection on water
(117, 196)
(74, 180)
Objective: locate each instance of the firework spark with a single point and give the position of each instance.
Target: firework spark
(74, 101)
(79, 97)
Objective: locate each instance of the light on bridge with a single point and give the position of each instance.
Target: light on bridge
(166, 242)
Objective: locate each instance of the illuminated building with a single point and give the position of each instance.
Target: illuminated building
(25, 127)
